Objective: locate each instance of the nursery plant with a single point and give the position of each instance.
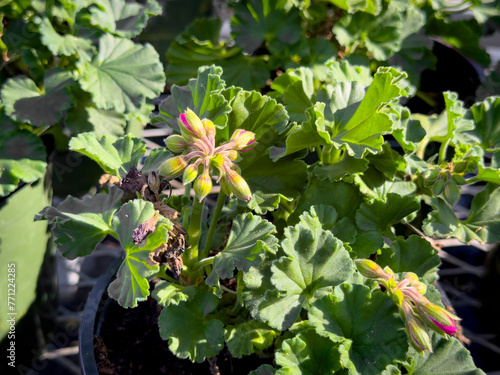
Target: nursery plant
(319, 251)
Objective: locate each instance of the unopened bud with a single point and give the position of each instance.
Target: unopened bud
(173, 167)
(233, 183)
(417, 334)
(190, 174)
(209, 127)
(203, 186)
(437, 317)
(370, 269)
(176, 143)
(242, 139)
(190, 124)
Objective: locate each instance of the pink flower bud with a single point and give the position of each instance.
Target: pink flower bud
(370, 269)
(190, 124)
(176, 143)
(203, 185)
(173, 167)
(242, 139)
(417, 334)
(437, 317)
(190, 173)
(233, 183)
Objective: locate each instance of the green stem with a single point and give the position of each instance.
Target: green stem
(204, 262)
(426, 98)
(163, 275)
(442, 151)
(221, 199)
(191, 255)
(421, 148)
(185, 210)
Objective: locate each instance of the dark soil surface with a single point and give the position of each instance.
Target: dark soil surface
(129, 344)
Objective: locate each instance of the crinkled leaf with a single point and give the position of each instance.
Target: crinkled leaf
(131, 284)
(448, 357)
(315, 262)
(249, 337)
(327, 193)
(381, 34)
(325, 217)
(407, 131)
(189, 329)
(22, 158)
(122, 75)
(486, 115)
(308, 353)
(271, 182)
(199, 45)
(25, 102)
(414, 254)
(79, 225)
(249, 236)
(344, 71)
(115, 156)
(363, 131)
(353, 6)
(483, 223)
(342, 100)
(296, 97)
(261, 115)
(380, 215)
(121, 17)
(348, 166)
(369, 321)
(310, 133)
(67, 44)
(259, 21)
(202, 95)
(166, 293)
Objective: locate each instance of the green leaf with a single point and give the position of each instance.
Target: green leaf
(344, 71)
(263, 370)
(407, 131)
(325, 217)
(79, 225)
(353, 6)
(249, 337)
(22, 158)
(114, 156)
(122, 75)
(261, 115)
(308, 353)
(347, 166)
(189, 329)
(327, 193)
(273, 182)
(259, 21)
(202, 95)
(199, 46)
(122, 18)
(413, 254)
(67, 44)
(448, 357)
(25, 102)
(381, 34)
(368, 321)
(166, 293)
(483, 223)
(296, 93)
(364, 130)
(486, 115)
(131, 284)
(380, 215)
(315, 262)
(249, 236)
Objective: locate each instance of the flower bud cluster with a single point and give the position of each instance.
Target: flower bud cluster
(199, 157)
(417, 312)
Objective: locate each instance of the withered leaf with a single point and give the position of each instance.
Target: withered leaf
(146, 228)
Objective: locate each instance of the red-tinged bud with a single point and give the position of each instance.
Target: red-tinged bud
(191, 124)
(209, 127)
(417, 334)
(242, 139)
(176, 143)
(370, 269)
(437, 317)
(190, 174)
(233, 183)
(173, 167)
(203, 185)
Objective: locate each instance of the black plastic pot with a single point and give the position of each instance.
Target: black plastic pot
(92, 319)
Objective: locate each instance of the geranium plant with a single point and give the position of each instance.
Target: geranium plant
(317, 251)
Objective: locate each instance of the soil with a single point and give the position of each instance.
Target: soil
(129, 344)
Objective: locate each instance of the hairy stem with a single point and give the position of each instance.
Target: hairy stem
(191, 255)
(221, 199)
